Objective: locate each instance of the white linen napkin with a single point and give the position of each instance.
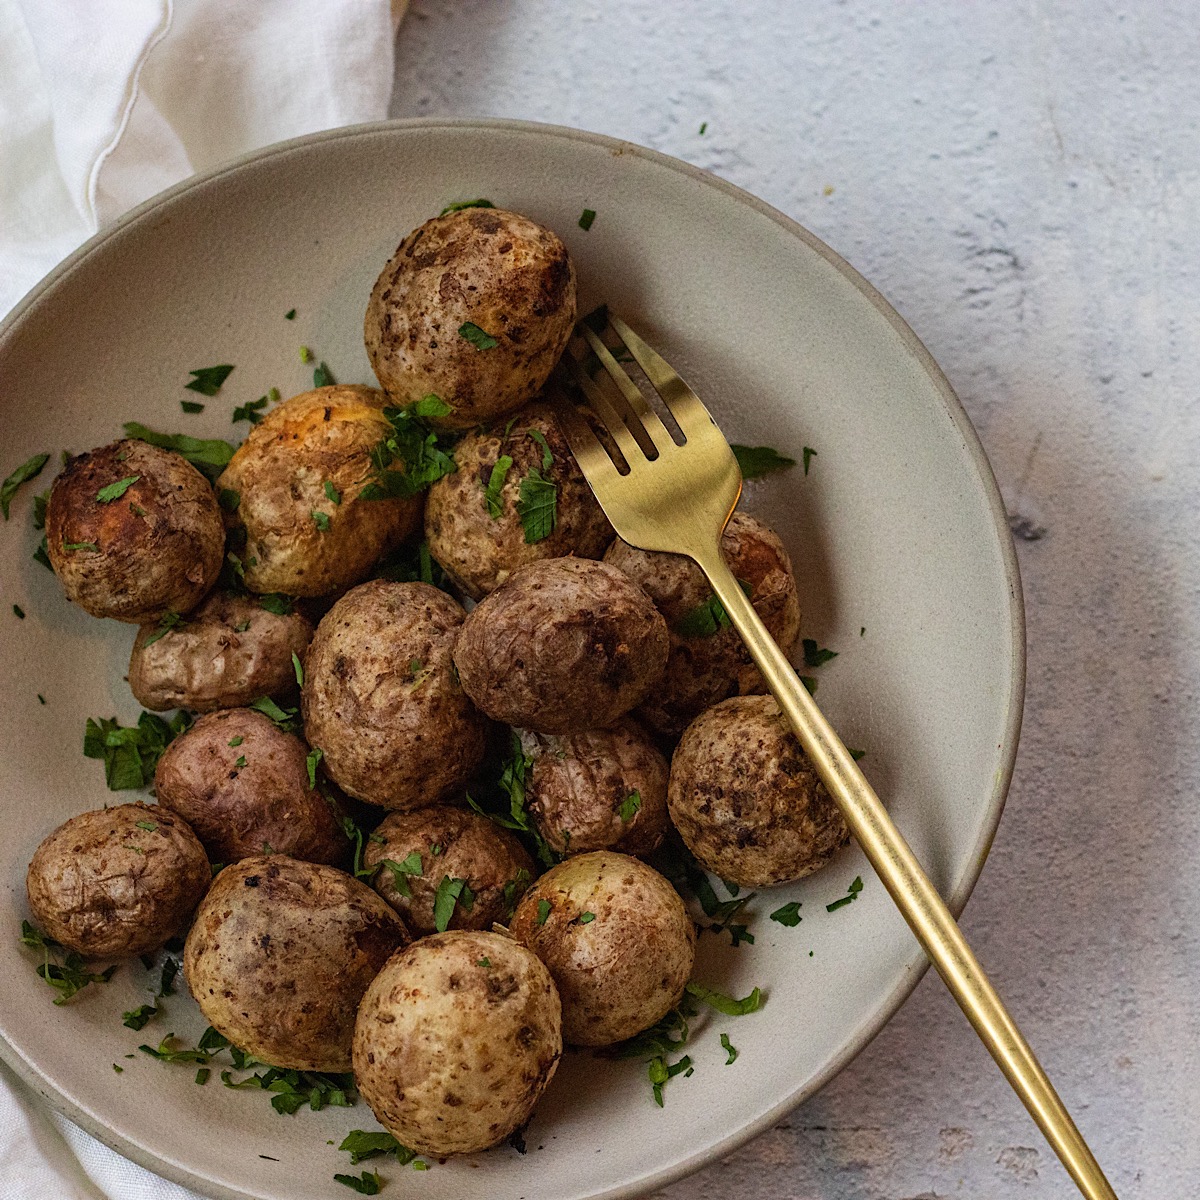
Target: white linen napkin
(103, 103)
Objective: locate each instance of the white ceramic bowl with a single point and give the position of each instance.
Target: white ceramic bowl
(897, 532)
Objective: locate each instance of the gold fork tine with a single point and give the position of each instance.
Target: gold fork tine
(594, 461)
(631, 448)
(640, 409)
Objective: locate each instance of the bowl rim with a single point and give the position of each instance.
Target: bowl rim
(917, 963)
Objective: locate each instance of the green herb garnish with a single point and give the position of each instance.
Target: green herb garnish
(756, 461)
(449, 893)
(331, 493)
(630, 806)
(191, 406)
(290, 315)
(851, 895)
(167, 622)
(547, 455)
(788, 914)
(277, 603)
(311, 762)
(537, 506)
(18, 612)
(140, 1016)
(368, 1184)
(298, 668)
(207, 380)
(586, 219)
(703, 127)
(285, 718)
(130, 754)
(479, 338)
(814, 655)
(320, 520)
(67, 975)
(402, 870)
(491, 495)
(211, 456)
(80, 546)
(586, 918)
(543, 911)
(728, 1046)
(458, 205)
(413, 442)
(726, 1004)
(323, 376)
(114, 491)
(704, 620)
(809, 454)
(202, 1074)
(250, 411)
(306, 355)
(229, 499)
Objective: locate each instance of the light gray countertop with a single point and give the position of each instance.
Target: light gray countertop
(1022, 181)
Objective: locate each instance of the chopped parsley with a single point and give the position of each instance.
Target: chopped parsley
(312, 762)
(729, 1047)
(479, 338)
(757, 461)
(630, 806)
(495, 484)
(704, 620)
(202, 1074)
(298, 667)
(130, 754)
(331, 493)
(80, 546)
(402, 870)
(483, 962)
(726, 1004)
(210, 456)
(543, 911)
(165, 1052)
(114, 491)
(19, 612)
(703, 127)
(413, 443)
(856, 754)
(459, 205)
(547, 455)
(167, 622)
(687, 876)
(166, 982)
(586, 219)
(191, 406)
(788, 914)
(235, 741)
(323, 376)
(208, 380)
(413, 564)
(320, 520)
(241, 762)
(809, 454)
(368, 1184)
(814, 655)
(251, 411)
(229, 499)
(290, 315)
(810, 684)
(537, 506)
(306, 355)
(355, 835)
(450, 892)
(586, 918)
(285, 718)
(851, 895)
(277, 603)
(139, 1017)
(66, 975)
(149, 826)
(658, 1043)
(40, 501)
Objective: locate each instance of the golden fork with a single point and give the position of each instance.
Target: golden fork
(678, 499)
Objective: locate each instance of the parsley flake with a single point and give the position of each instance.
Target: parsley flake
(312, 761)
(208, 380)
(139, 1017)
(586, 918)
(547, 456)
(726, 1004)
(630, 806)
(167, 622)
(323, 376)
(229, 499)
(757, 461)
(402, 870)
(114, 491)
(368, 1184)
(191, 406)
(450, 892)
(320, 520)
(251, 411)
(809, 454)
(704, 620)
(131, 754)
(728, 1046)
(80, 546)
(543, 911)
(277, 603)
(210, 457)
(413, 443)
(788, 914)
(537, 506)
(459, 205)
(298, 667)
(290, 315)
(851, 895)
(19, 612)
(479, 338)
(306, 355)
(495, 484)
(815, 656)
(331, 493)
(586, 219)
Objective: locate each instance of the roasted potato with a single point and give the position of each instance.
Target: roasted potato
(456, 1039)
(563, 645)
(746, 800)
(382, 701)
(475, 307)
(280, 954)
(617, 940)
(473, 516)
(117, 882)
(300, 524)
(134, 532)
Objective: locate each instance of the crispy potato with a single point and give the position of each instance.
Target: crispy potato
(228, 652)
(156, 548)
(498, 271)
(602, 789)
(746, 800)
(242, 784)
(117, 882)
(382, 701)
(493, 863)
(617, 939)
(289, 533)
(280, 954)
(563, 645)
(456, 1039)
(480, 546)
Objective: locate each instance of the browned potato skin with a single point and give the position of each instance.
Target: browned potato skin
(267, 802)
(280, 472)
(381, 699)
(280, 954)
(479, 551)
(471, 848)
(230, 651)
(160, 544)
(563, 645)
(704, 670)
(493, 268)
(456, 1040)
(746, 800)
(101, 885)
(579, 781)
(622, 971)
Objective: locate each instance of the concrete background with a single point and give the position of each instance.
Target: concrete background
(1022, 181)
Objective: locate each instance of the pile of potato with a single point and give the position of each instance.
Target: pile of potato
(580, 643)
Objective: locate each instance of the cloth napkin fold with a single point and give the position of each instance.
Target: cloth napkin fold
(104, 103)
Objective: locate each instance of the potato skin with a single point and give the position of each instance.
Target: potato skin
(230, 651)
(563, 645)
(280, 471)
(746, 800)
(236, 811)
(704, 670)
(479, 551)
(101, 885)
(579, 781)
(280, 954)
(495, 269)
(160, 544)
(381, 699)
(471, 848)
(456, 1040)
(619, 973)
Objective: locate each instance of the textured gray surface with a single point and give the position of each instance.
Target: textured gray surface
(1021, 181)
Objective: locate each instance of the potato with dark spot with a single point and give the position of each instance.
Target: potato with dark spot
(601, 789)
(747, 801)
(134, 532)
(617, 940)
(448, 844)
(473, 516)
(301, 525)
(280, 954)
(563, 645)
(117, 882)
(243, 786)
(382, 701)
(708, 660)
(476, 307)
(227, 652)
(456, 1040)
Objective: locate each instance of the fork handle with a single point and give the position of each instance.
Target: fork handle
(910, 887)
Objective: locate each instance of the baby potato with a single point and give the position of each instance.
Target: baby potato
(134, 532)
(474, 527)
(476, 307)
(117, 882)
(563, 645)
(242, 784)
(448, 844)
(456, 1040)
(747, 801)
(617, 939)
(708, 661)
(300, 524)
(280, 954)
(228, 652)
(601, 789)
(382, 701)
